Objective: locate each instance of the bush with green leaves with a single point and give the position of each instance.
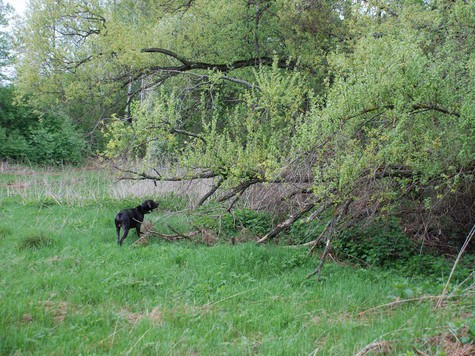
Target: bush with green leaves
(55, 141)
(437, 268)
(26, 135)
(232, 224)
(13, 145)
(381, 243)
(256, 222)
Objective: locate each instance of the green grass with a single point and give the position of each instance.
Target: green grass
(66, 287)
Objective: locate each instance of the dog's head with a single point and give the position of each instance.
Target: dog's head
(148, 206)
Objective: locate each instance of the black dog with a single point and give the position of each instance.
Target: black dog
(132, 219)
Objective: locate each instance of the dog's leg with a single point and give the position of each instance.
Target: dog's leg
(126, 232)
(117, 228)
(138, 230)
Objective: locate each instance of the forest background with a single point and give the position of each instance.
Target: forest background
(359, 113)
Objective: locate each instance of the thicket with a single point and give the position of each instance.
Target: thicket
(362, 112)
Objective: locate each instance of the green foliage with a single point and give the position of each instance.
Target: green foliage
(14, 145)
(382, 244)
(6, 12)
(303, 231)
(45, 139)
(78, 58)
(435, 267)
(55, 141)
(375, 98)
(257, 223)
(250, 222)
(249, 139)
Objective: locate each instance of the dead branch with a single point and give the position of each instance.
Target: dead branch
(402, 301)
(317, 240)
(176, 236)
(285, 224)
(297, 192)
(187, 65)
(213, 190)
(239, 189)
(159, 177)
(318, 270)
(330, 232)
(235, 200)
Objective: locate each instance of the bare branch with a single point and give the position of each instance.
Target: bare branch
(435, 107)
(330, 231)
(285, 224)
(239, 189)
(159, 177)
(213, 190)
(168, 53)
(189, 65)
(233, 202)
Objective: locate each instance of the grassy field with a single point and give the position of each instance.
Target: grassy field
(67, 288)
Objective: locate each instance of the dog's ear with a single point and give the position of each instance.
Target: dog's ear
(149, 204)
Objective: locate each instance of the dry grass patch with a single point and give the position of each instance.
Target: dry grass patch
(155, 316)
(58, 309)
(451, 343)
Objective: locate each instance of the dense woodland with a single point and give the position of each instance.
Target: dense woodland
(364, 111)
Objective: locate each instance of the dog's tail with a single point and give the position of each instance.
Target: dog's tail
(118, 219)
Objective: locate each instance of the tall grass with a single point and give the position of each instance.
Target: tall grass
(66, 287)
(76, 186)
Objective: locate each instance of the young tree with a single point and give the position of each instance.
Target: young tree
(6, 12)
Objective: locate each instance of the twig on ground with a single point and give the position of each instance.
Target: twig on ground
(179, 235)
(402, 301)
(376, 346)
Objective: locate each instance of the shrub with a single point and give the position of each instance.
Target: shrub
(437, 267)
(55, 141)
(47, 138)
(383, 244)
(304, 231)
(379, 244)
(230, 224)
(14, 145)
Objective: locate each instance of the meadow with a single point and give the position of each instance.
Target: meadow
(66, 287)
